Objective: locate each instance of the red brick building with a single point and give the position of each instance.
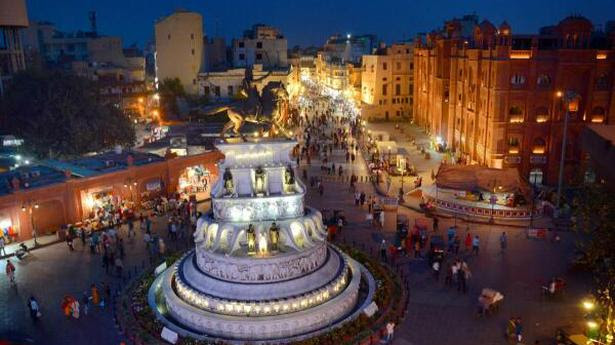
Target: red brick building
(495, 98)
(57, 195)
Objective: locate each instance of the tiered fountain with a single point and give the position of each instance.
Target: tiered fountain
(262, 269)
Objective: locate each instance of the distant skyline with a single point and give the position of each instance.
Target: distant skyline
(310, 22)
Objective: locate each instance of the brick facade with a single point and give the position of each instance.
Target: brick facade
(66, 202)
(497, 99)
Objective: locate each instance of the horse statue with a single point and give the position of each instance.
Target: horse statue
(252, 106)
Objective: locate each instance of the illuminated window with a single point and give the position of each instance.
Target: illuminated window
(517, 80)
(602, 82)
(543, 80)
(536, 176)
(542, 114)
(515, 114)
(597, 115)
(539, 147)
(513, 145)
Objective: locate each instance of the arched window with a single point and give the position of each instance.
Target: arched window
(515, 114)
(543, 81)
(597, 115)
(542, 114)
(517, 80)
(539, 146)
(513, 145)
(589, 176)
(536, 176)
(602, 82)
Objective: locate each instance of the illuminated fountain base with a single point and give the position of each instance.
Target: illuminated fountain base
(261, 269)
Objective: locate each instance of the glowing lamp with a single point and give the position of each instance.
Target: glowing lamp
(251, 239)
(588, 305)
(274, 236)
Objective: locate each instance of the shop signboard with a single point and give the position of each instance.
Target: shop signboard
(153, 185)
(538, 159)
(512, 159)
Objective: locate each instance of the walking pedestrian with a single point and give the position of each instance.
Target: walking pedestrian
(436, 270)
(85, 302)
(461, 281)
(119, 266)
(456, 245)
(69, 243)
(35, 310)
(390, 331)
(2, 245)
(105, 262)
(475, 245)
(131, 228)
(120, 247)
(468, 242)
(448, 280)
(518, 329)
(10, 271)
(95, 295)
(503, 241)
(383, 251)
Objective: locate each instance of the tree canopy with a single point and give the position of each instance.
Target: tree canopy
(594, 210)
(62, 115)
(170, 91)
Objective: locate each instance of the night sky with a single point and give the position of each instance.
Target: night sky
(310, 22)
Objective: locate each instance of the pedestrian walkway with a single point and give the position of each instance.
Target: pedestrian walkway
(438, 314)
(42, 241)
(51, 272)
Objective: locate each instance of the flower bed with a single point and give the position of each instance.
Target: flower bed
(141, 326)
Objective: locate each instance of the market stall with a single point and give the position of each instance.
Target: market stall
(194, 181)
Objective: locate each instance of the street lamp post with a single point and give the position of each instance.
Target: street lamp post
(30, 207)
(569, 97)
(401, 189)
(533, 178)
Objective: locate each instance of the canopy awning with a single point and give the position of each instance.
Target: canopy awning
(474, 177)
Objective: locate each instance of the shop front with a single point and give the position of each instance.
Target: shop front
(151, 191)
(100, 204)
(194, 183)
(8, 231)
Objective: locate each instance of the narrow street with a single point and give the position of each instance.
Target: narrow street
(438, 314)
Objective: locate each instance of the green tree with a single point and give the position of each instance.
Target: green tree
(594, 211)
(170, 91)
(62, 115)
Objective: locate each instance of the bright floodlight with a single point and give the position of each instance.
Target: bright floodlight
(588, 305)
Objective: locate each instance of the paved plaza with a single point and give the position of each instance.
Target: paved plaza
(436, 314)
